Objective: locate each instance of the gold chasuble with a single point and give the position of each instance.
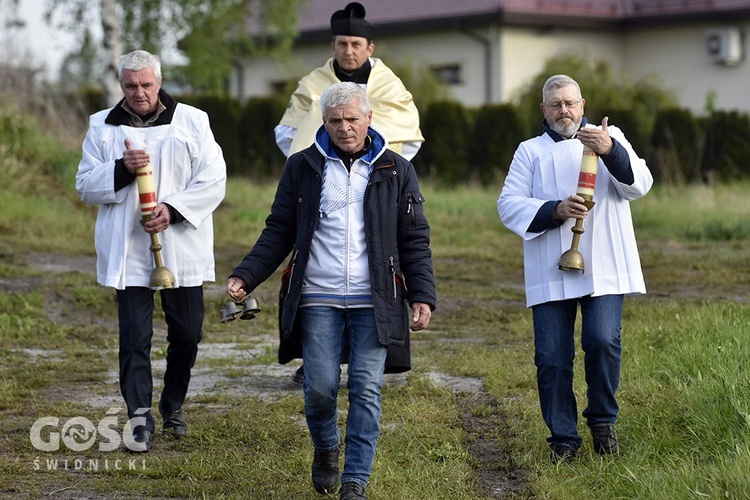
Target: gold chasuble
(393, 109)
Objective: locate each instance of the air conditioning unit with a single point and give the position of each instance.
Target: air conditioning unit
(724, 46)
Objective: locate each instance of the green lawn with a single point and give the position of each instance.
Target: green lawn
(465, 421)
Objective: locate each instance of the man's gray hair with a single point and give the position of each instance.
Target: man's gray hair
(342, 93)
(557, 82)
(138, 60)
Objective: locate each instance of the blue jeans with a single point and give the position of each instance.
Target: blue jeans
(326, 332)
(554, 324)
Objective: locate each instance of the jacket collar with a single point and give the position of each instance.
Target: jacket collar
(324, 144)
(118, 115)
(554, 135)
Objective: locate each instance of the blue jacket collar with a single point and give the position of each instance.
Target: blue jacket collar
(557, 137)
(324, 142)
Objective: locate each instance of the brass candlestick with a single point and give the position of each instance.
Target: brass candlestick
(161, 277)
(571, 259)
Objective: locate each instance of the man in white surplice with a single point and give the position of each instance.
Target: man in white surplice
(148, 126)
(538, 202)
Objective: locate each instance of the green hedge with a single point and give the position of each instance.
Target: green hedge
(495, 135)
(445, 126)
(262, 157)
(224, 116)
(726, 155)
(677, 142)
(464, 145)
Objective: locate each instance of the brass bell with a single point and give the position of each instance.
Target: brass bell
(250, 308)
(246, 309)
(229, 311)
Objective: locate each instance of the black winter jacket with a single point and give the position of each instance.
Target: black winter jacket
(397, 236)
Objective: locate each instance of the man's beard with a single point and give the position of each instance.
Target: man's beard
(567, 131)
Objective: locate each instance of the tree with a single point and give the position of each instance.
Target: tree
(112, 44)
(79, 68)
(213, 31)
(217, 40)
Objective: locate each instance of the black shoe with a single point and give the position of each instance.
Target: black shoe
(174, 424)
(563, 453)
(299, 375)
(325, 471)
(352, 491)
(142, 441)
(605, 439)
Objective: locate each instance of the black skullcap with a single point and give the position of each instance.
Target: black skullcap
(351, 22)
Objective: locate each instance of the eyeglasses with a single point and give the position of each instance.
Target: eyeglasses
(557, 106)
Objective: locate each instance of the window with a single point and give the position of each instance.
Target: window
(449, 74)
(281, 87)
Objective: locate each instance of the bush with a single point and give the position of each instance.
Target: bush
(636, 134)
(223, 113)
(727, 150)
(261, 155)
(91, 99)
(603, 89)
(28, 154)
(677, 146)
(495, 135)
(444, 153)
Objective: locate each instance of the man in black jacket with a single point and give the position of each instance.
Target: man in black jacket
(350, 212)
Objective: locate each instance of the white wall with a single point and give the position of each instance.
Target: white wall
(431, 50)
(439, 49)
(679, 57)
(259, 74)
(674, 55)
(525, 51)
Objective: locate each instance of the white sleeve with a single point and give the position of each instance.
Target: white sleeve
(411, 149)
(284, 136)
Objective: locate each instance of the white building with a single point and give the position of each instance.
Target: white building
(486, 49)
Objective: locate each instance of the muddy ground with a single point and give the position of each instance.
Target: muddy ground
(497, 474)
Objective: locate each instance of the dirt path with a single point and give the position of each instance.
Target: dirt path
(497, 474)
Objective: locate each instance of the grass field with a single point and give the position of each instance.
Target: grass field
(463, 424)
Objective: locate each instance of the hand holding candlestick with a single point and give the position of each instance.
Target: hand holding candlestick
(572, 258)
(161, 277)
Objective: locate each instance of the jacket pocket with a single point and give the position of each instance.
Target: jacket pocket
(397, 288)
(286, 278)
(414, 206)
(398, 309)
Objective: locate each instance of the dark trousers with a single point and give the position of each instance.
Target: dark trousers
(183, 311)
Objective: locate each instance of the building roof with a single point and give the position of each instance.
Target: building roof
(399, 16)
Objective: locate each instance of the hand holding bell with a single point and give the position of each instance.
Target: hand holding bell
(246, 309)
(240, 303)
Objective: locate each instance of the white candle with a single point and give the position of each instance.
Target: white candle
(146, 190)
(587, 177)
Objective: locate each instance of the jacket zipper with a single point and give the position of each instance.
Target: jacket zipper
(393, 275)
(409, 203)
(291, 272)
